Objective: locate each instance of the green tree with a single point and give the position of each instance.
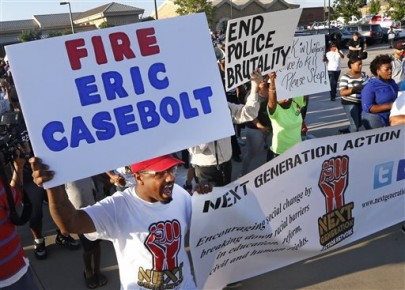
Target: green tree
(396, 9)
(195, 6)
(30, 35)
(375, 6)
(105, 24)
(347, 8)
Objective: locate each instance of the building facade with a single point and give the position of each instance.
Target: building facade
(112, 13)
(229, 9)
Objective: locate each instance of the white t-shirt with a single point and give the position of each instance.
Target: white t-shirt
(80, 192)
(148, 238)
(398, 107)
(334, 62)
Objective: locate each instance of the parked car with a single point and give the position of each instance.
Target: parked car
(372, 33)
(385, 21)
(366, 19)
(352, 20)
(376, 19)
(331, 34)
(399, 33)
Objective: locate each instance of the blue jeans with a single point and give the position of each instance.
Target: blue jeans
(371, 121)
(333, 79)
(353, 113)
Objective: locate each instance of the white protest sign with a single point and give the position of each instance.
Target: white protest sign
(318, 196)
(260, 41)
(102, 99)
(305, 72)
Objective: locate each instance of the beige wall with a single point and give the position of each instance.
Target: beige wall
(223, 12)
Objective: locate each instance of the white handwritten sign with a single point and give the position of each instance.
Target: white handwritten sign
(318, 196)
(261, 41)
(305, 72)
(102, 99)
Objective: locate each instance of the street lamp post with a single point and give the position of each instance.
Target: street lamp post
(329, 18)
(156, 12)
(70, 14)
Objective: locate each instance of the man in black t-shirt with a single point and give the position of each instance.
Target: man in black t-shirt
(356, 46)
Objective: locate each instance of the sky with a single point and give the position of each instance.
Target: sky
(25, 9)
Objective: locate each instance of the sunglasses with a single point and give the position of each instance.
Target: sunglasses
(172, 171)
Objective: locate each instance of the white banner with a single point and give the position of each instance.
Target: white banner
(98, 100)
(318, 196)
(260, 41)
(305, 72)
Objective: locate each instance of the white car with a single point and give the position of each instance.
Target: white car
(353, 20)
(399, 33)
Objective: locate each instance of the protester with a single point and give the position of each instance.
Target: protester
(286, 119)
(397, 116)
(357, 46)
(397, 113)
(212, 161)
(147, 224)
(36, 194)
(378, 94)
(121, 177)
(391, 36)
(15, 271)
(234, 96)
(188, 184)
(350, 86)
(4, 91)
(333, 60)
(81, 193)
(398, 64)
(258, 132)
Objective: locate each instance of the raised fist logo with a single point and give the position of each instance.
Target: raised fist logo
(163, 242)
(334, 180)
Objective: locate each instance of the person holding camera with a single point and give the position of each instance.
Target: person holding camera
(15, 271)
(350, 86)
(36, 194)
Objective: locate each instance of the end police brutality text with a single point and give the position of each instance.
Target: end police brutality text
(136, 114)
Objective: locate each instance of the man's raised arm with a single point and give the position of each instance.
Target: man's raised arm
(66, 217)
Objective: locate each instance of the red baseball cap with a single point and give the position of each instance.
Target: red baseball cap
(399, 43)
(156, 164)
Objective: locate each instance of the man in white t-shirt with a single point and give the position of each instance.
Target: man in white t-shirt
(147, 224)
(397, 114)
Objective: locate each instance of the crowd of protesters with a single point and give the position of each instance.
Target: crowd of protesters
(147, 198)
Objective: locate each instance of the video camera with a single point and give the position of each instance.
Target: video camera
(12, 135)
